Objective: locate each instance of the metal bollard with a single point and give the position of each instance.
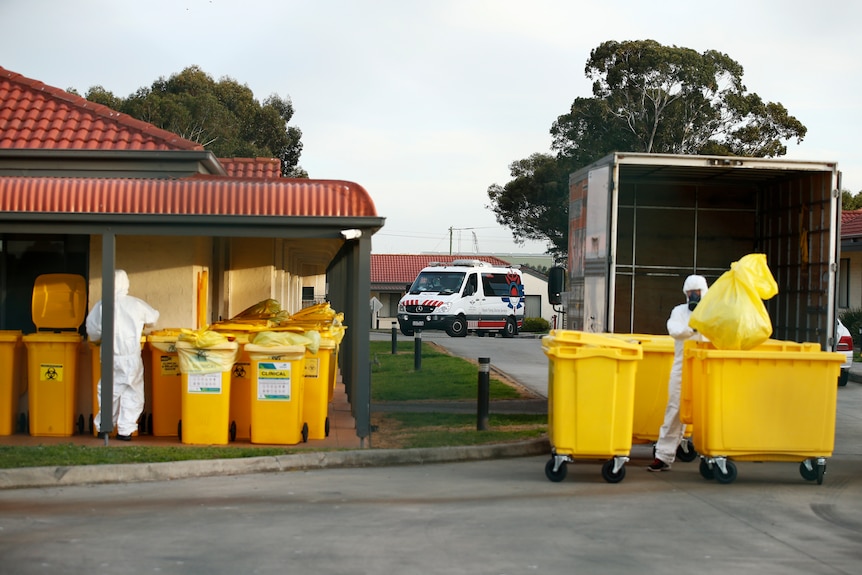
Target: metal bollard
(417, 350)
(394, 339)
(482, 404)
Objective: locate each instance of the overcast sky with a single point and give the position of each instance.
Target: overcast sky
(426, 103)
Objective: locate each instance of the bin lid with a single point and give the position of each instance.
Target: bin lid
(10, 335)
(51, 337)
(59, 301)
(566, 338)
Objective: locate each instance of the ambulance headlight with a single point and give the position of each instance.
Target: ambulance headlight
(402, 308)
(444, 308)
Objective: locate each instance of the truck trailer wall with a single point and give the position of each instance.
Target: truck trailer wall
(639, 224)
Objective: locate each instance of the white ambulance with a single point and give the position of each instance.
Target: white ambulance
(465, 295)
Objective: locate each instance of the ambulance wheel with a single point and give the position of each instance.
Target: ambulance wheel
(326, 427)
(180, 430)
(511, 328)
(458, 327)
(728, 477)
(304, 432)
(555, 476)
(608, 472)
(705, 471)
(685, 451)
(80, 425)
(232, 431)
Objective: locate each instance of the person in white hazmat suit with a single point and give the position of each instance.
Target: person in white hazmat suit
(673, 430)
(131, 314)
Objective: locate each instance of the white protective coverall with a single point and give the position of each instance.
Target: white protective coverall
(130, 316)
(673, 430)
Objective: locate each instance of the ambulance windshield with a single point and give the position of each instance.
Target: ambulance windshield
(444, 283)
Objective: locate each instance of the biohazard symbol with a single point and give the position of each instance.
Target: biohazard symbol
(238, 370)
(515, 299)
(51, 373)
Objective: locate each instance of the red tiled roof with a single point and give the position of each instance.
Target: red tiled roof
(198, 195)
(403, 268)
(252, 167)
(33, 115)
(851, 223)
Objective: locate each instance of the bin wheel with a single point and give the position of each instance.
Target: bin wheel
(326, 427)
(705, 470)
(22, 423)
(821, 471)
(304, 432)
(555, 476)
(728, 477)
(608, 472)
(150, 424)
(685, 451)
(90, 427)
(808, 474)
(233, 430)
(180, 430)
(80, 425)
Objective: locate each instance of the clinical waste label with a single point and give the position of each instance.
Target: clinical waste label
(205, 383)
(273, 380)
(51, 372)
(170, 365)
(312, 367)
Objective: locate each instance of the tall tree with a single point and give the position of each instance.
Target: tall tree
(646, 98)
(224, 116)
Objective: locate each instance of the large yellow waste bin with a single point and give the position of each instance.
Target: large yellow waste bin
(591, 381)
(240, 392)
(10, 372)
(206, 378)
(277, 387)
(58, 306)
(764, 404)
(317, 389)
(166, 383)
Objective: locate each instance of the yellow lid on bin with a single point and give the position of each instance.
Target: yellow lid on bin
(563, 337)
(59, 301)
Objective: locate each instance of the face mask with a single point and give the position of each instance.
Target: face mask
(693, 300)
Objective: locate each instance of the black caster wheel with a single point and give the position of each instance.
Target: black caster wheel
(232, 431)
(22, 423)
(728, 477)
(326, 427)
(808, 474)
(180, 430)
(80, 425)
(555, 476)
(705, 471)
(608, 472)
(304, 432)
(685, 451)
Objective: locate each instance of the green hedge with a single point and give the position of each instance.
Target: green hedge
(535, 325)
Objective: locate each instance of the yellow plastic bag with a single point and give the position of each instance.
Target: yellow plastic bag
(202, 338)
(731, 314)
(310, 339)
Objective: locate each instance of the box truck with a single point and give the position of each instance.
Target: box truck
(640, 223)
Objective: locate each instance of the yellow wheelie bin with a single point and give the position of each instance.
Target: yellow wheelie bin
(277, 385)
(591, 382)
(166, 381)
(318, 388)
(58, 307)
(10, 373)
(775, 402)
(205, 383)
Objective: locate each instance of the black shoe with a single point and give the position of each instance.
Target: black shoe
(658, 465)
(124, 437)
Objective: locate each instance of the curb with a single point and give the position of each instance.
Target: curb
(124, 473)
